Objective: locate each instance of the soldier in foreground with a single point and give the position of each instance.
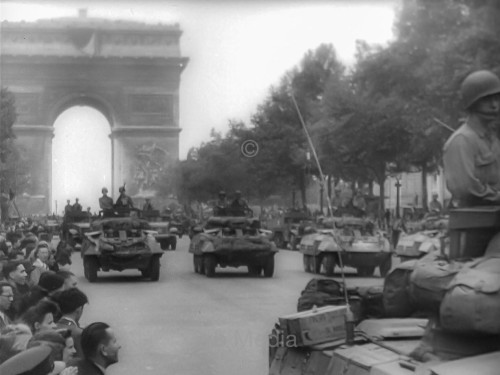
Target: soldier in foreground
(124, 201)
(472, 154)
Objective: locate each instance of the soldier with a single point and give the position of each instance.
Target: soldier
(105, 202)
(148, 206)
(239, 202)
(124, 201)
(77, 207)
(68, 208)
(472, 154)
(221, 204)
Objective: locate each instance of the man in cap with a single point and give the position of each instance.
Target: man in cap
(124, 201)
(33, 361)
(100, 349)
(472, 154)
(105, 202)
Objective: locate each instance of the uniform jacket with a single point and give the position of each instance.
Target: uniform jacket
(86, 367)
(106, 203)
(472, 165)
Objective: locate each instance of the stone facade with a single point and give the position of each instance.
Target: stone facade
(129, 71)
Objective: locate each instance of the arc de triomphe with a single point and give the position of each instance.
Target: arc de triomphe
(129, 71)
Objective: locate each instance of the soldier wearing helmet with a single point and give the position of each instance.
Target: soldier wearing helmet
(221, 204)
(472, 154)
(124, 201)
(105, 202)
(239, 202)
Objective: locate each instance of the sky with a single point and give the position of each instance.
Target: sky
(237, 50)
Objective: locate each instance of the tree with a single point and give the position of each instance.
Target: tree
(7, 149)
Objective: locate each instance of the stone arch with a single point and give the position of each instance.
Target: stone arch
(128, 71)
(91, 100)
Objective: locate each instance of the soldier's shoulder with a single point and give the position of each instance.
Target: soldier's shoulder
(463, 132)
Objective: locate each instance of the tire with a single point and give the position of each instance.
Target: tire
(329, 264)
(255, 270)
(173, 243)
(154, 268)
(269, 267)
(316, 262)
(307, 260)
(90, 267)
(366, 271)
(385, 267)
(209, 264)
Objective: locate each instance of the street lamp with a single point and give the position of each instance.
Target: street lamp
(398, 186)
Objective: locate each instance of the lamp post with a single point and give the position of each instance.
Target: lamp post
(398, 186)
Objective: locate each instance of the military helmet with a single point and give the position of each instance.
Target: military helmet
(121, 189)
(222, 193)
(477, 85)
(104, 190)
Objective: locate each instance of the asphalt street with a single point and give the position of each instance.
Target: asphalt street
(188, 324)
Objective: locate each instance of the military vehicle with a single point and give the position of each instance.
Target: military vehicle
(288, 229)
(166, 233)
(417, 245)
(233, 240)
(119, 243)
(406, 345)
(350, 242)
(74, 227)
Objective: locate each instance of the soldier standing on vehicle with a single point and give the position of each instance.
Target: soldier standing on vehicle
(148, 206)
(472, 154)
(221, 204)
(105, 202)
(239, 202)
(68, 208)
(124, 201)
(77, 207)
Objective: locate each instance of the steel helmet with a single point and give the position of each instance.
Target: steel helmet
(477, 85)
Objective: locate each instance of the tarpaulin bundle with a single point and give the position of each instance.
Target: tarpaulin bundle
(471, 304)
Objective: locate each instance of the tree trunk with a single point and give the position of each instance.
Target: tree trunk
(425, 193)
(329, 193)
(303, 192)
(381, 203)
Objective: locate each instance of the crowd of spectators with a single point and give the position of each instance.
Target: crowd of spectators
(40, 309)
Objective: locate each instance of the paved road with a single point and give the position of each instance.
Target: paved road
(187, 324)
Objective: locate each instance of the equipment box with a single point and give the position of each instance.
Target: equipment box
(315, 326)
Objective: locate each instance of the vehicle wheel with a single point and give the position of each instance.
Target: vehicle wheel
(385, 267)
(90, 267)
(255, 270)
(279, 241)
(209, 264)
(269, 267)
(316, 264)
(329, 264)
(293, 242)
(196, 263)
(154, 268)
(307, 263)
(365, 271)
(173, 243)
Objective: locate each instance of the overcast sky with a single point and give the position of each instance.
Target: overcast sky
(237, 50)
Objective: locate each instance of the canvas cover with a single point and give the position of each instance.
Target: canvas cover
(396, 298)
(472, 303)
